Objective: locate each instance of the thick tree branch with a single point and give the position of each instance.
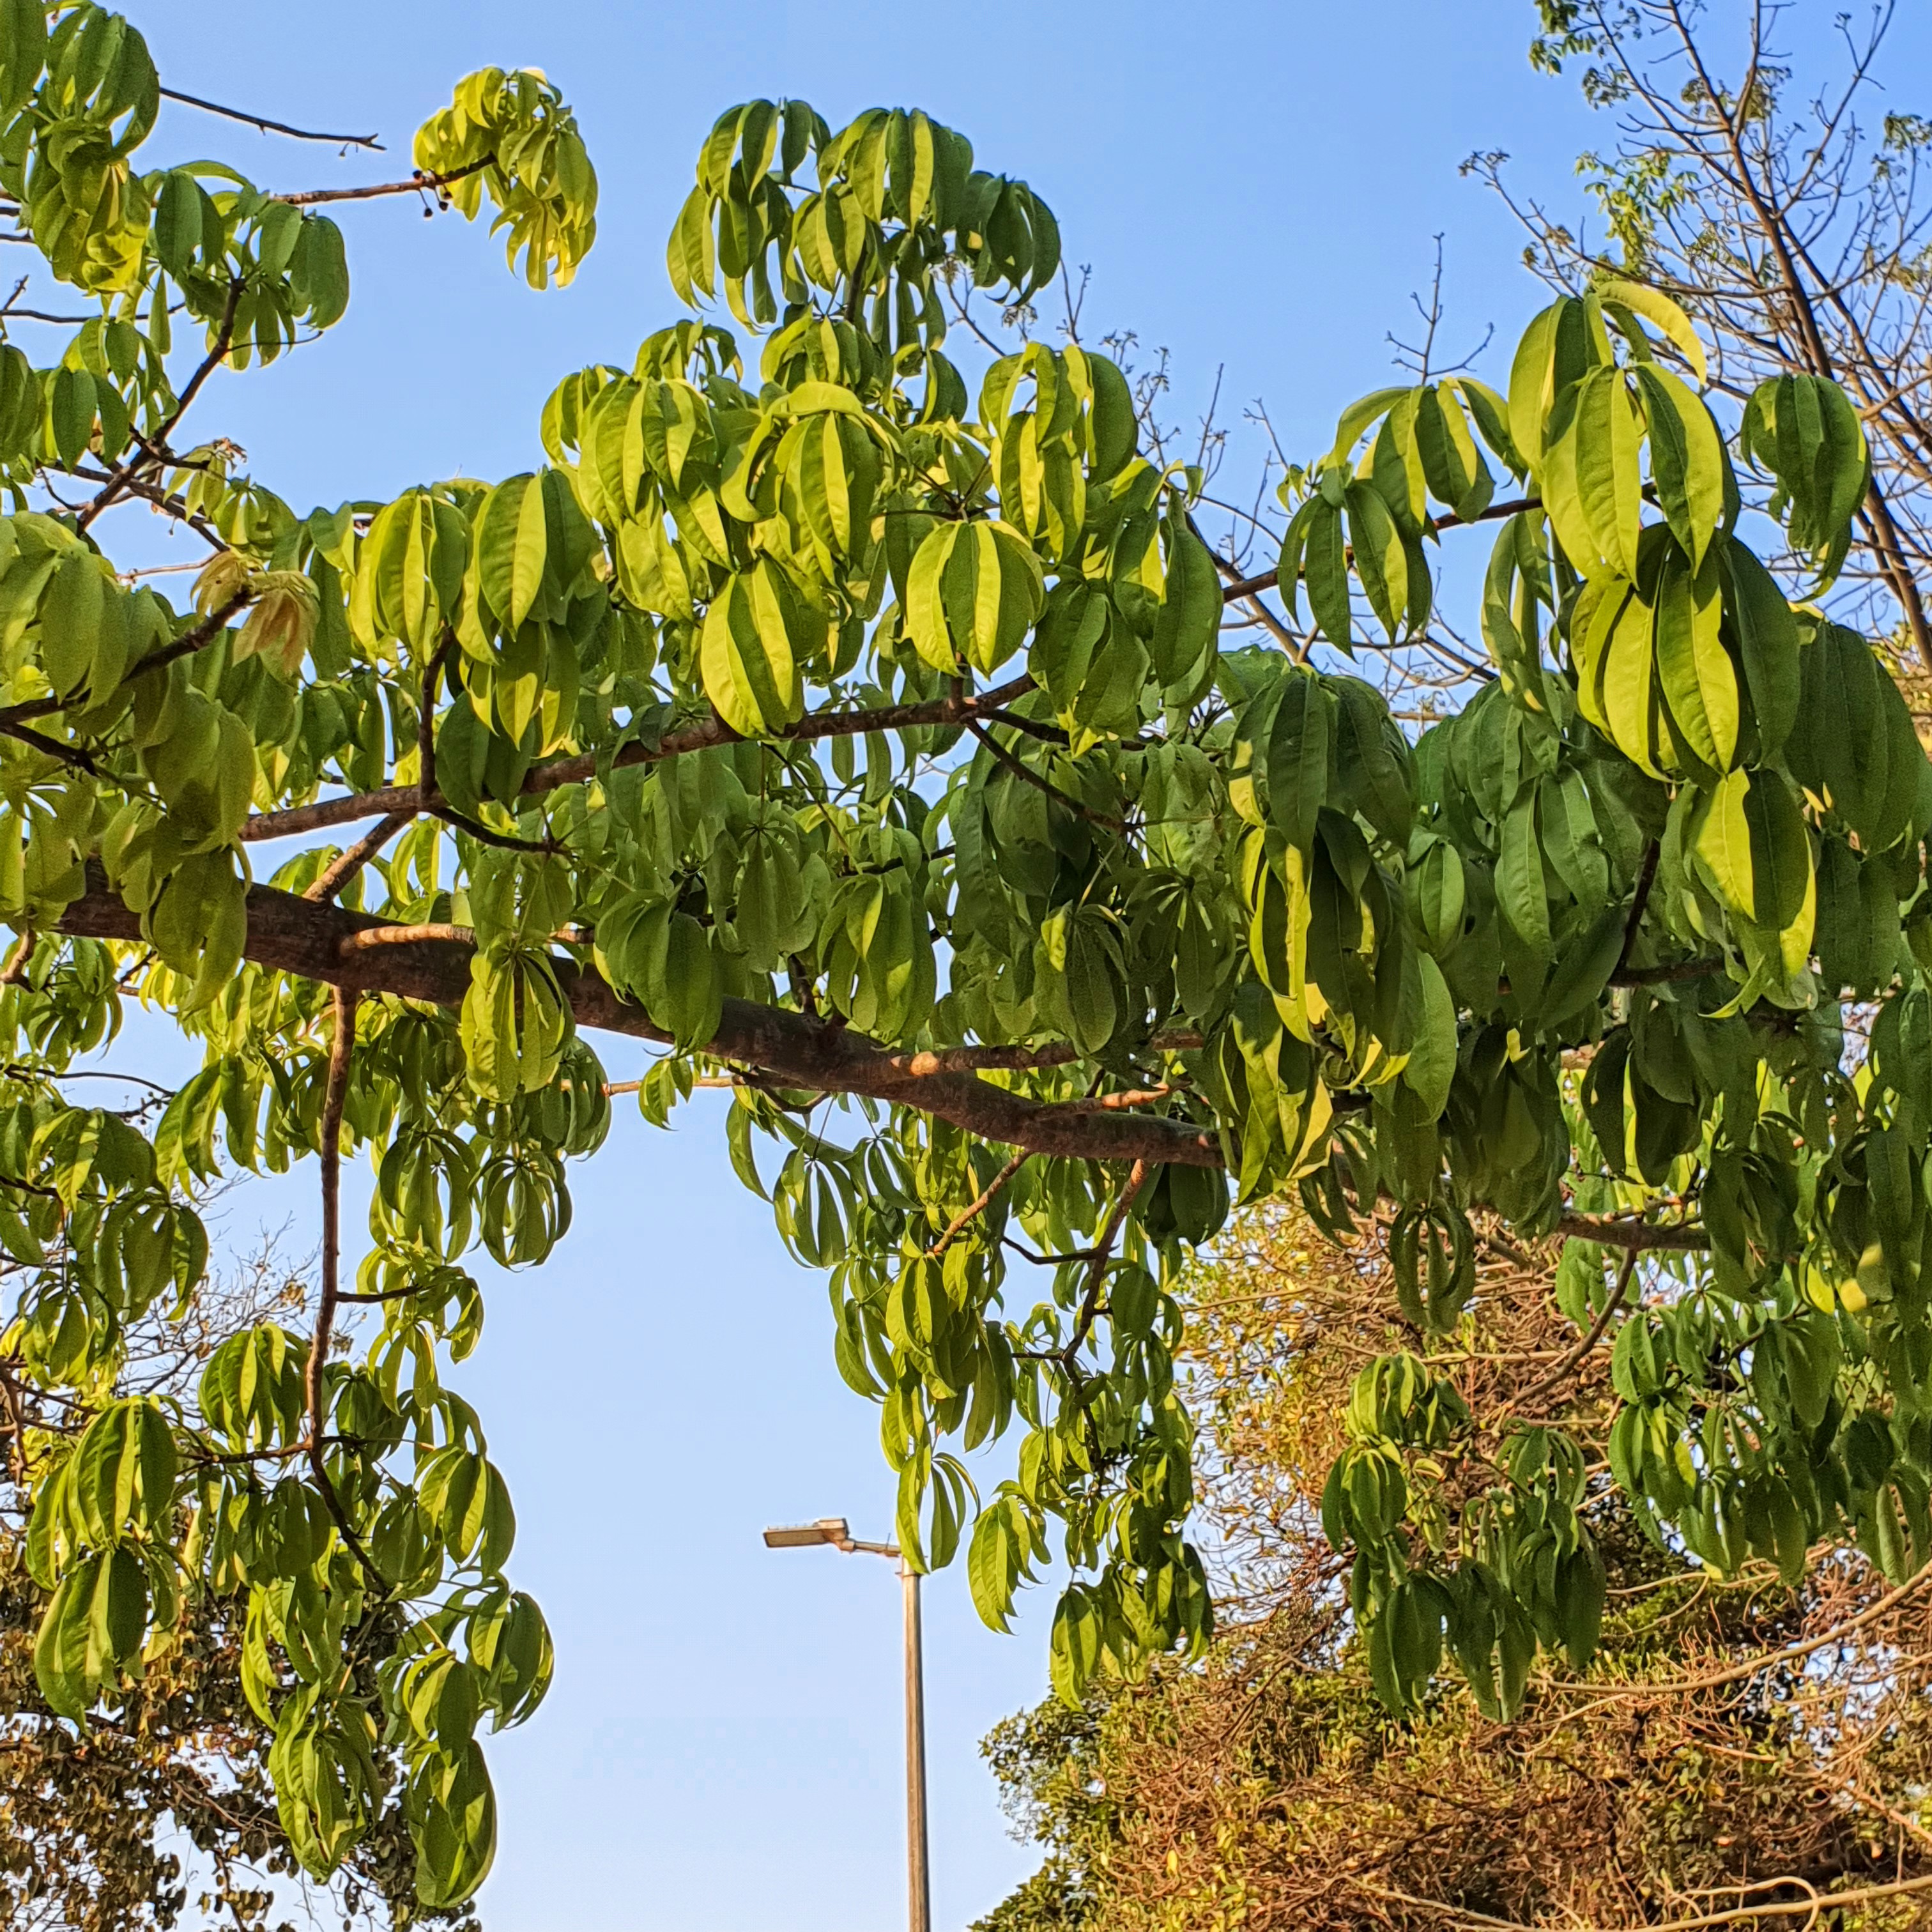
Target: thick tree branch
(1616, 1231)
(291, 934)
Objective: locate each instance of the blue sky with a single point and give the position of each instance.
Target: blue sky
(1256, 188)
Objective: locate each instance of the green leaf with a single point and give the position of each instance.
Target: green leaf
(1326, 566)
(1300, 750)
(1381, 561)
(1686, 460)
(1609, 483)
(1660, 309)
(1520, 890)
(755, 632)
(1767, 634)
(1693, 669)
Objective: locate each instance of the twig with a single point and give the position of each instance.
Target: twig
(426, 715)
(52, 748)
(1563, 1369)
(504, 841)
(152, 448)
(1096, 1276)
(421, 182)
(1646, 878)
(1021, 769)
(702, 735)
(346, 865)
(1737, 1673)
(268, 126)
(979, 1207)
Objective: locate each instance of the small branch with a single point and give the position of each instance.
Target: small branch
(504, 841)
(979, 1207)
(149, 451)
(426, 716)
(1661, 976)
(52, 748)
(421, 182)
(1737, 1673)
(1021, 769)
(268, 126)
(1132, 1096)
(346, 865)
(701, 736)
(14, 973)
(1646, 878)
(344, 1004)
(1268, 579)
(1097, 1275)
(403, 935)
(934, 1061)
(1562, 1371)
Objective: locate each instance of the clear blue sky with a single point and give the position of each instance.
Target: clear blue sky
(1255, 186)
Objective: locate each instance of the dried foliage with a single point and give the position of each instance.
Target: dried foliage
(1691, 1771)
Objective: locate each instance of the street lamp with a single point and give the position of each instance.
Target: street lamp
(832, 1530)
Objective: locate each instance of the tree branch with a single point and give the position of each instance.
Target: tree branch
(341, 1048)
(421, 181)
(1269, 580)
(1561, 1372)
(346, 865)
(190, 641)
(979, 1207)
(1096, 1274)
(268, 126)
(1646, 877)
(1614, 1232)
(151, 447)
(288, 934)
(702, 736)
(1021, 769)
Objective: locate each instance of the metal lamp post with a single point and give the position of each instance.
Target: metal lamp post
(832, 1530)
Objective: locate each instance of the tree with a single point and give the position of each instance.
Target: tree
(94, 1823)
(1745, 1740)
(1111, 922)
(1787, 215)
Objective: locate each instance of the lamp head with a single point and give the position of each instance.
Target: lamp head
(830, 1529)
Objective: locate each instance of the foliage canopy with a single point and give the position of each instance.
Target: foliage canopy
(1111, 920)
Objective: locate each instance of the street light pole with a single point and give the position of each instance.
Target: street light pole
(832, 1530)
(919, 1898)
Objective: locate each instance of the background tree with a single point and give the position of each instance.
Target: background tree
(166, 1807)
(1109, 922)
(1744, 1740)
